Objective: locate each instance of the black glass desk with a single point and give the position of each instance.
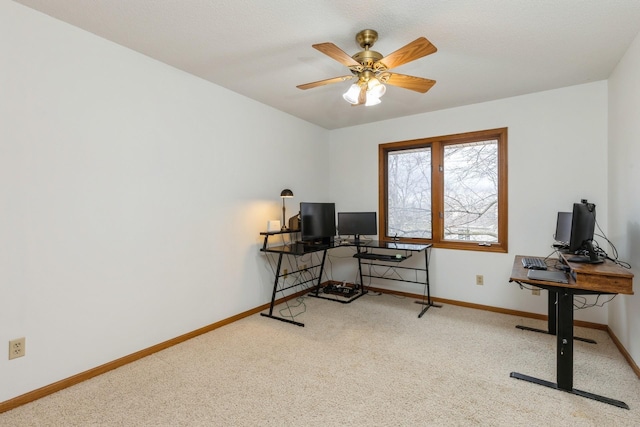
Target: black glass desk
(390, 254)
(368, 253)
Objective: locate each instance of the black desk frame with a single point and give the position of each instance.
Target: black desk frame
(552, 314)
(389, 263)
(564, 341)
(296, 249)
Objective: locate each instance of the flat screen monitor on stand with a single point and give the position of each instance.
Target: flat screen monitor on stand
(357, 224)
(318, 223)
(562, 235)
(583, 222)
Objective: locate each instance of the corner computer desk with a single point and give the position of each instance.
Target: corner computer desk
(368, 253)
(583, 279)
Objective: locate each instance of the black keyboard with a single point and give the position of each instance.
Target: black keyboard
(534, 263)
(379, 257)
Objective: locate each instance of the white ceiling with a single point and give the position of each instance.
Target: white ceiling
(487, 49)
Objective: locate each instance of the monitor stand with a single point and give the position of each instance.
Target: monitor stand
(592, 258)
(585, 259)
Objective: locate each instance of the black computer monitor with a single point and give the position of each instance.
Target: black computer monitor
(563, 229)
(317, 222)
(357, 224)
(583, 222)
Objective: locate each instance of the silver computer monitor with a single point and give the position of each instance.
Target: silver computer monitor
(563, 228)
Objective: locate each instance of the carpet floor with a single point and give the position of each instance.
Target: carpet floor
(368, 363)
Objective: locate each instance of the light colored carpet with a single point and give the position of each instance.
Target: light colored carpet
(372, 362)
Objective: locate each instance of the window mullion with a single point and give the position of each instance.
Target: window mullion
(437, 193)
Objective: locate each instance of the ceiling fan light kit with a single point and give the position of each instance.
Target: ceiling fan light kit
(371, 68)
(370, 86)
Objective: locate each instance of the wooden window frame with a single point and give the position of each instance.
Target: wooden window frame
(437, 188)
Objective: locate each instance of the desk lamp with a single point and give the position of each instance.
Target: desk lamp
(285, 194)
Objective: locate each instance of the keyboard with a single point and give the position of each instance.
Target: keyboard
(379, 257)
(534, 263)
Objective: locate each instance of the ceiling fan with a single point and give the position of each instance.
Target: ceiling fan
(371, 69)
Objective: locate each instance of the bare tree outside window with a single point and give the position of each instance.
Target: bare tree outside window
(409, 195)
(471, 191)
(450, 191)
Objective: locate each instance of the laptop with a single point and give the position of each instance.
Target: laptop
(548, 276)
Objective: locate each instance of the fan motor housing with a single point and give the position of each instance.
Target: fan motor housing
(367, 57)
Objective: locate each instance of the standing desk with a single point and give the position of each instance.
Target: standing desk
(584, 279)
(368, 253)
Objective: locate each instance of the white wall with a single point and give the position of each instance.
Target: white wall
(624, 175)
(131, 198)
(132, 194)
(557, 156)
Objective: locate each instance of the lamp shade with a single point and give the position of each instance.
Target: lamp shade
(351, 95)
(372, 100)
(375, 88)
(286, 193)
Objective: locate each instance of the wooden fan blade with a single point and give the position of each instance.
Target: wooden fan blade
(408, 82)
(336, 53)
(416, 49)
(325, 82)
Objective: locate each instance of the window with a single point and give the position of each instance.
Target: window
(450, 191)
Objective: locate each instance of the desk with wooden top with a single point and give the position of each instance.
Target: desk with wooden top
(583, 279)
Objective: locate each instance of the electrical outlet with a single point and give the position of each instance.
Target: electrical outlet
(479, 279)
(17, 348)
(286, 273)
(535, 291)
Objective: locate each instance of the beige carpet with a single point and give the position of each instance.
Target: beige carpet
(372, 362)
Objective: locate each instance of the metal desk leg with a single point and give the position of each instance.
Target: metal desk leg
(273, 296)
(551, 314)
(360, 270)
(552, 310)
(427, 303)
(316, 291)
(324, 257)
(564, 350)
(275, 285)
(316, 294)
(564, 355)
